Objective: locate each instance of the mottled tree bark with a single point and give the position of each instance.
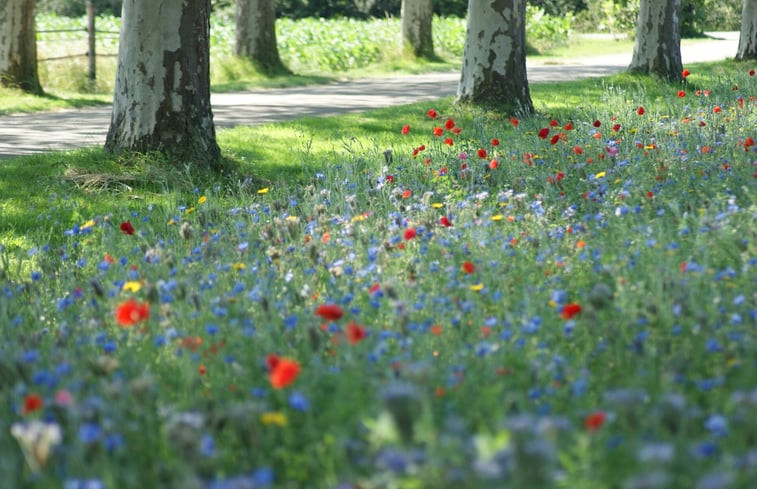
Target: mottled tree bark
(162, 93)
(494, 56)
(256, 34)
(658, 39)
(18, 46)
(748, 35)
(417, 16)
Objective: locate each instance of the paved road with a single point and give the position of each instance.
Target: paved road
(69, 129)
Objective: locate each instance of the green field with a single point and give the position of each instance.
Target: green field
(560, 301)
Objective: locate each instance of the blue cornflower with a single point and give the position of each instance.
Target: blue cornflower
(89, 433)
(717, 425)
(298, 401)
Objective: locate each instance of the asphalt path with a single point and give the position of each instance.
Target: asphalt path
(23, 134)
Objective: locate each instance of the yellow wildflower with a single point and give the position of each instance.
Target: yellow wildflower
(132, 286)
(274, 417)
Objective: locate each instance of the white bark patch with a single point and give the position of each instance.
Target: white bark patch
(150, 28)
(748, 32)
(11, 22)
(488, 38)
(651, 31)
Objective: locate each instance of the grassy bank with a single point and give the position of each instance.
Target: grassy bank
(557, 302)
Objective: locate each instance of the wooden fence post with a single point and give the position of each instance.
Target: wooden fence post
(91, 38)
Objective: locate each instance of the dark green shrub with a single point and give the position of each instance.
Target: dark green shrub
(77, 8)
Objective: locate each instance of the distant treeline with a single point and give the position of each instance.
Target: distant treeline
(315, 8)
(590, 15)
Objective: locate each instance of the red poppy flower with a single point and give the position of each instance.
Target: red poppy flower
(131, 312)
(544, 132)
(283, 371)
(569, 126)
(456, 130)
(330, 312)
(409, 234)
(481, 153)
(594, 421)
(406, 129)
(554, 139)
(681, 93)
(597, 123)
(449, 124)
(493, 164)
(32, 402)
(449, 141)
(578, 150)
(751, 72)
(355, 333)
(685, 73)
(438, 131)
(569, 310)
(514, 121)
(271, 361)
(432, 113)
(553, 123)
(616, 127)
(495, 142)
(640, 110)
(127, 228)
(469, 267)
(444, 221)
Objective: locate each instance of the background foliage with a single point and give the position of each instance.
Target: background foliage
(591, 15)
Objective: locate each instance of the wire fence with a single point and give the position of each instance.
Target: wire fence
(91, 37)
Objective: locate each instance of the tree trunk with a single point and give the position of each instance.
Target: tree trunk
(658, 39)
(18, 46)
(256, 34)
(494, 56)
(748, 36)
(162, 93)
(417, 17)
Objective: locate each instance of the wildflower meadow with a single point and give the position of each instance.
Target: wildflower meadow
(562, 300)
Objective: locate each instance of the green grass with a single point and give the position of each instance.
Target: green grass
(582, 46)
(578, 315)
(17, 101)
(280, 152)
